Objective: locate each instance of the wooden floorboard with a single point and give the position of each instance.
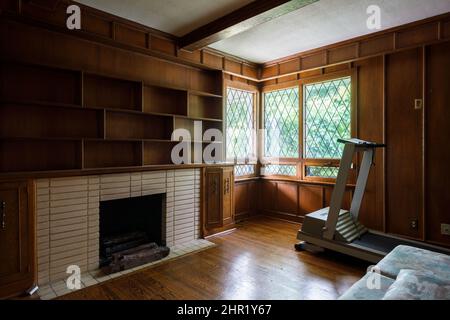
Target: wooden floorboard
(256, 261)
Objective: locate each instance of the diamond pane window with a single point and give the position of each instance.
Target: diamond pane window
(323, 172)
(244, 170)
(327, 117)
(239, 124)
(281, 123)
(280, 169)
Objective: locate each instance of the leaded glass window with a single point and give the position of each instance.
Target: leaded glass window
(327, 116)
(323, 172)
(281, 123)
(244, 170)
(280, 169)
(239, 125)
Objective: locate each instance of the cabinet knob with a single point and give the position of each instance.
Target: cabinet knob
(3, 213)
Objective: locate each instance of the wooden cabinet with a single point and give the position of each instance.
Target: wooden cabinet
(17, 266)
(218, 213)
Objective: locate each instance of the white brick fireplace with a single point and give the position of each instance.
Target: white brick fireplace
(68, 214)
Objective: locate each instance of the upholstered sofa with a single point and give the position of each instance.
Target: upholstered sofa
(405, 273)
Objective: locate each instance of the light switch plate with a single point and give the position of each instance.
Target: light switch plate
(445, 229)
(418, 103)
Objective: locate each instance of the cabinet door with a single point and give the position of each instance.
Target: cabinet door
(16, 239)
(227, 205)
(213, 198)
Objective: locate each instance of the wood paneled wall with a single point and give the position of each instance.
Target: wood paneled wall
(395, 67)
(108, 29)
(407, 192)
(246, 198)
(437, 137)
(404, 134)
(292, 200)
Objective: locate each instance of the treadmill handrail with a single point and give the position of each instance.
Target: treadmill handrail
(362, 143)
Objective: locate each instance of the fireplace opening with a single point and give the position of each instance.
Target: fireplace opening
(132, 232)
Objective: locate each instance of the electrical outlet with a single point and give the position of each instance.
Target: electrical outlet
(414, 224)
(445, 229)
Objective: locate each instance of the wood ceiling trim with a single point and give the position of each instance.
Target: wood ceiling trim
(100, 26)
(240, 20)
(411, 35)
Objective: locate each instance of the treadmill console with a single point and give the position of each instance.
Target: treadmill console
(362, 143)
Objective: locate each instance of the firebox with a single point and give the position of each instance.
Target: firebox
(132, 232)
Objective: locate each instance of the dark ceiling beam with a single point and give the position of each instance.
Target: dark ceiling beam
(242, 19)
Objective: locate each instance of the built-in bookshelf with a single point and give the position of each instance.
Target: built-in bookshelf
(58, 119)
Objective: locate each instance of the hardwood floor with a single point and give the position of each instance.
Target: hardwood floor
(256, 261)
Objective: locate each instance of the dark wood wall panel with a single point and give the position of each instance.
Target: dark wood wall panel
(404, 143)
(97, 25)
(15, 155)
(346, 201)
(396, 196)
(113, 30)
(292, 200)
(268, 194)
(38, 84)
(99, 59)
(245, 198)
(106, 154)
(311, 198)
(437, 139)
(36, 121)
(121, 125)
(164, 100)
(104, 92)
(370, 126)
(130, 36)
(287, 198)
(417, 35)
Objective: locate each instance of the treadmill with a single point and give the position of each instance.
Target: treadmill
(339, 230)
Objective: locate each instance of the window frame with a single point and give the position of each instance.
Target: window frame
(301, 162)
(281, 161)
(254, 91)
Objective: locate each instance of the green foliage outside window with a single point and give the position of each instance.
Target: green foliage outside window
(239, 124)
(281, 123)
(326, 118)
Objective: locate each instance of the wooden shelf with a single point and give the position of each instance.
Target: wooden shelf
(106, 92)
(109, 154)
(204, 94)
(49, 122)
(5, 101)
(200, 119)
(157, 153)
(39, 83)
(196, 92)
(205, 107)
(188, 124)
(61, 120)
(165, 100)
(121, 125)
(39, 155)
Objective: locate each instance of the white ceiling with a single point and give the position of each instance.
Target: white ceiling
(321, 23)
(177, 17)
